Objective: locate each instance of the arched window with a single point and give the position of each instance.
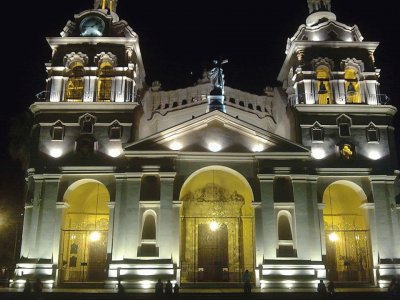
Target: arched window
(285, 235)
(149, 226)
(324, 94)
(352, 86)
(104, 83)
(75, 84)
(148, 245)
(284, 227)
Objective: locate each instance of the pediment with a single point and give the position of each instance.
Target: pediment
(214, 132)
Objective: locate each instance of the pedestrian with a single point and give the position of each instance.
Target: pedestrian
(176, 289)
(27, 286)
(246, 282)
(38, 288)
(321, 290)
(159, 289)
(331, 290)
(394, 288)
(168, 288)
(121, 289)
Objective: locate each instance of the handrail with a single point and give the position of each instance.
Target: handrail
(47, 96)
(338, 98)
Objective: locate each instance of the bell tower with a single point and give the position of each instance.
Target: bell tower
(333, 88)
(88, 112)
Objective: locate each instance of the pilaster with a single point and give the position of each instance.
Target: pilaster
(165, 223)
(268, 230)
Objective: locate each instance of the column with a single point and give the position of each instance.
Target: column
(131, 228)
(58, 218)
(26, 230)
(119, 219)
(321, 207)
(369, 211)
(308, 240)
(314, 221)
(165, 222)
(47, 228)
(268, 230)
(111, 206)
(394, 217)
(383, 218)
(34, 224)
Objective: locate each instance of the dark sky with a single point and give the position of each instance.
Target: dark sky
(178, 39)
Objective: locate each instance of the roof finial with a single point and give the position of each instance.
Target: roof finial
(320, 10)
(106, 4)
(319, 5)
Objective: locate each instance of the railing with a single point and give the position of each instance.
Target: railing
(90, 96)
(349, 98)
(254, 106)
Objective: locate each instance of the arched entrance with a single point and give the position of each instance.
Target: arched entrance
(217, 232)
(84, 232)
(348, 255)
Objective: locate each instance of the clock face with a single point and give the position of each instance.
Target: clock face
(92, 26)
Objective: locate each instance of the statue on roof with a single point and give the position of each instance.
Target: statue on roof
(216, 77)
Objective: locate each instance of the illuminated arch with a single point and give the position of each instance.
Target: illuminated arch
(347, 237)
(285, 225)
(74, 87)
(217, 220)
(324, 92)
(202, 173)
(149, 225)
(104, 83)
(352, 85)
(84, 232)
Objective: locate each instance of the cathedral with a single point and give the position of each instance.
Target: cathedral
(131, 184)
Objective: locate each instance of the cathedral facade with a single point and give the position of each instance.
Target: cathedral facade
(197, 185)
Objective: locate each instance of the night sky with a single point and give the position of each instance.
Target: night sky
(177, 41)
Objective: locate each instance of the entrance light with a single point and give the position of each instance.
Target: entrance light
(333, 237)
(95, 236)
(214, 225)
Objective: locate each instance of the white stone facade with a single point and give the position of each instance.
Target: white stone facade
(142, 159)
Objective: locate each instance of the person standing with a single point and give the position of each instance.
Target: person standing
(246, 282)
(27, 286)
(168, 289)
(159, 289)
(331, 290)
(321, 290)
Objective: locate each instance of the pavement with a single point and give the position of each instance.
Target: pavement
(363, 293)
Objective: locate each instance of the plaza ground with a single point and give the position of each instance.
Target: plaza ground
(198, 294)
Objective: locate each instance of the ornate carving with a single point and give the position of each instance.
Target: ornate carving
(213, 201)
(72, 57)
(213, 193)
(352, 62)
(315, 63)
(106, 56)
(68, 29)
(300, 56)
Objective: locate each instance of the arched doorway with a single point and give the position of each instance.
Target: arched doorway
(348, 255)
(84, 232)
(217, 232)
